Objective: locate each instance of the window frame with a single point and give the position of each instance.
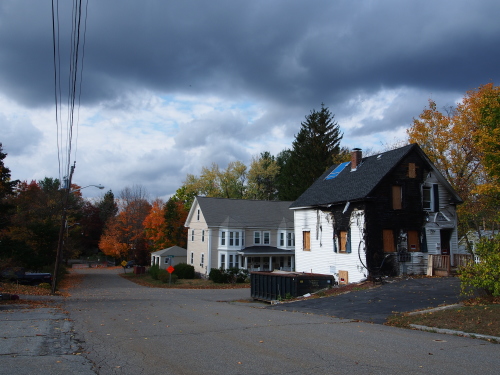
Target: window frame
(257, 239)
(266, 242)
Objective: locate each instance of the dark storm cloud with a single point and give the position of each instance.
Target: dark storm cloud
(284, 51)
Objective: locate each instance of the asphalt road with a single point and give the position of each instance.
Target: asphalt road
(124, 328)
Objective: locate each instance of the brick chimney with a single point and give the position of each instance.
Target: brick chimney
(356, 156)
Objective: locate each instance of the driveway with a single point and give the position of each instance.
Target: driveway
(376, 304)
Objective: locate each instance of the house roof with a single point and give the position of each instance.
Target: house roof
(355, 185)
(244, 213)
(174, 250)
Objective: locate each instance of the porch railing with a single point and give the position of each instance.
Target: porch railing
(460, 260)
(439, 265)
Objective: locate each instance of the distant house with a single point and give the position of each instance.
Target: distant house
(468, 243)
(241, 233)
(169, 257)
(381, 214)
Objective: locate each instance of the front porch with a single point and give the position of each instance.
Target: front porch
(267, 258)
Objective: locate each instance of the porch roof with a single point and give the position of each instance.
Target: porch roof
(264, 251)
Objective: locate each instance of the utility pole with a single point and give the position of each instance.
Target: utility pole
(61, 229)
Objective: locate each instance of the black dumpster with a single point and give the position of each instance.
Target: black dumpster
(272, 286)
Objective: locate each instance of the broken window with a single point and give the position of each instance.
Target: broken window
(413, 240)
(397, 198)
(306, 240)
(388, 238)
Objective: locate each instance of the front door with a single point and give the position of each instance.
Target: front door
(445, 235)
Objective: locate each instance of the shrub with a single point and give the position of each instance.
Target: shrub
(217, 275)
(154, 271)
(165, 277)
(231, 275)
(485, 275)
(184, 271)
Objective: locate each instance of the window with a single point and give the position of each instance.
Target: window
(413, 241)
(282, 239)
(192, 258)
(306, 241)
(231, 260)
(237, 261)
(412, 170)
(290, 239)
(236, 238)
(267, 238)
(231, 239)
(203, 235)
(192, 235)
(223, 261)
(343, 241)
(388, 238)
(256, 238)
(430, 198)
(202, 261)
(397, 201)
(167, 260)
(198, 215)
(223, 238)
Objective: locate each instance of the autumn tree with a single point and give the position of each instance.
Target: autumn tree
(262, 176)
(154, 227)
(175, 216)
(124, 235)
(33, 232)
(457, 142)
(217, 183)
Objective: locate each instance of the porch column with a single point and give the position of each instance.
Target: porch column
(271, 263)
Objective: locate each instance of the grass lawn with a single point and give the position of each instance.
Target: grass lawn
(480, 316)
(146, 280)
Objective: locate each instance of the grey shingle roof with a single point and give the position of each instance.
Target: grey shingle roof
(174, 250)
(354, 185)
(246, 213)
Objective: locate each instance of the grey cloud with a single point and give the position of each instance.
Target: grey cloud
(19, 136)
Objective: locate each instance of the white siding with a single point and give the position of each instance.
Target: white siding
(322, 258)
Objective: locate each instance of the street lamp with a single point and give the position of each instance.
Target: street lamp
(63, 225)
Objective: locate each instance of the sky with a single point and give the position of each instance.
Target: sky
(167, 87)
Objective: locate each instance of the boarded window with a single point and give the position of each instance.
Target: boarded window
(306, 241)
(413, 241)
(396, 197)
(343, 241)
(412, 170)
(388, 241)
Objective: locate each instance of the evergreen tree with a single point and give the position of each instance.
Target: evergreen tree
(107, 207)
(313, 151)
(6, 190)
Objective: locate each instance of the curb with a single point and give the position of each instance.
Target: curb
(456, 333)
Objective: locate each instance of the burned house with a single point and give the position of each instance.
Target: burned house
(378, 215)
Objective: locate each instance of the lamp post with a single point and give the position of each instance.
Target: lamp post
(63, 224)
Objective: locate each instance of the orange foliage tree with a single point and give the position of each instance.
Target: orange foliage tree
(123, 236)
(457, 143)
(154, 227)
